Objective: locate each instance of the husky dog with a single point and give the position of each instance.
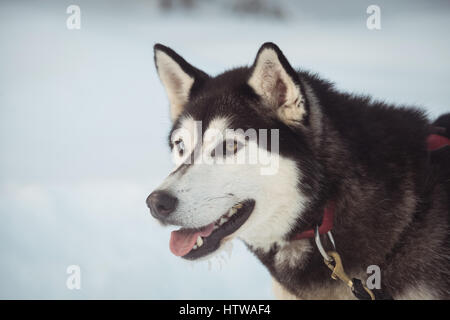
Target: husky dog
(370, 159)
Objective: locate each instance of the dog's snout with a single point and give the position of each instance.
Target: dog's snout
(161, 203)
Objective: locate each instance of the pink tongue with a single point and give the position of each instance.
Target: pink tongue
(182, 241)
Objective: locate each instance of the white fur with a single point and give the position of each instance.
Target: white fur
(336, 291)
(176, 82)
(268, 73)
(281, 293)
(277, 208)
(293, 254)
(206, 191)
(187, 132)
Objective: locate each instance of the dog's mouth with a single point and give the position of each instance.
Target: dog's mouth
(192, 244)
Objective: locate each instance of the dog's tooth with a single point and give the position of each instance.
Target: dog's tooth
(199, 241)
(233, 211)
(195, 247)
(238, 206)
(223, 220)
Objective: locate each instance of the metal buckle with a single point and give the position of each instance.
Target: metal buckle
(319, 244)
(333, 261)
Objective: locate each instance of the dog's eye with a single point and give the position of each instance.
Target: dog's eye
(231, 146)
(179, 146)
(228, 147)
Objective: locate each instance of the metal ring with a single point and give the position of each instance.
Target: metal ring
(330, 236)
(319, 244)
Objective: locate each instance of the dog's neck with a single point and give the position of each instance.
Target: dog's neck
(360, 241)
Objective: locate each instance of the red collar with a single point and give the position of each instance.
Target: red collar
(434, 142)
(327, 224)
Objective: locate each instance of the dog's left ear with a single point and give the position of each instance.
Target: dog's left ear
(276, 82)
(179, 78)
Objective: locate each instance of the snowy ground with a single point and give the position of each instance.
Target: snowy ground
(83, 124)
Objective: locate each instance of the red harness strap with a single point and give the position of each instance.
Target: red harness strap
(434, 142)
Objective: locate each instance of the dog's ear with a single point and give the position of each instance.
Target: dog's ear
(276, 82)
(178, 77)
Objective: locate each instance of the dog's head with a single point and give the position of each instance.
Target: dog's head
(239, 142)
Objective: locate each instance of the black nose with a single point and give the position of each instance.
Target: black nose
(161, 204)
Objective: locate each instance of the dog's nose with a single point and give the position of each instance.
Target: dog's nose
(161, 203)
